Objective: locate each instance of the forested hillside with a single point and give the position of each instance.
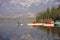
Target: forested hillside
(50, 13)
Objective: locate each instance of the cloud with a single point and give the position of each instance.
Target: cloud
(22, 6)
(1, 2)
(28, 3)
(57, 2)
(25, 3)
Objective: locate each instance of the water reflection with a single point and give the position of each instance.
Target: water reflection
(10, 31)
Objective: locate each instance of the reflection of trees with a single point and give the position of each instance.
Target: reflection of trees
(53, 13)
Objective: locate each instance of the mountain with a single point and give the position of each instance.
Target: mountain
(30, 14)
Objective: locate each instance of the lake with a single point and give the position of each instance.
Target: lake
(10, 31)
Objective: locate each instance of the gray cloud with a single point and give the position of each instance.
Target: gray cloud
(57, 0)
(28, 3)
(12, 7)
(1, 2)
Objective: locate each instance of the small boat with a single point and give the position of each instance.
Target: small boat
(18, 24)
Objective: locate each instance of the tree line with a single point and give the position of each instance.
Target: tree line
(49, 13)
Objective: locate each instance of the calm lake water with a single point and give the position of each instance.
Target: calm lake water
(10, 31)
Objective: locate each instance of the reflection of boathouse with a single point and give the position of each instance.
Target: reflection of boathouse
(57, 22)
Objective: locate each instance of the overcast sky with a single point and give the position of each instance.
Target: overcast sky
(15, 7)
